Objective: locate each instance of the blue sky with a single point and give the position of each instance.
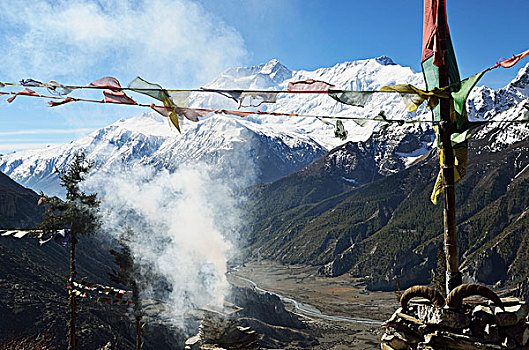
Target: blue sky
(185, 43)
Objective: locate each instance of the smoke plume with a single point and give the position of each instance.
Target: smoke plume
(185, 225)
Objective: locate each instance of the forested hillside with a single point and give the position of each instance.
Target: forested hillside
(388, 229)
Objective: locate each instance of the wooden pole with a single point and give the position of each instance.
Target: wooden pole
(453, 276)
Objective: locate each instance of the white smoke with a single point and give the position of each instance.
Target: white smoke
(185, 226)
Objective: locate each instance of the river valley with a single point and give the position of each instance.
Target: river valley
(338, 311)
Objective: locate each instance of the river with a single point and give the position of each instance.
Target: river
(309, 310)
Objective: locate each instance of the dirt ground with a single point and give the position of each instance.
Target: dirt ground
(337, 296)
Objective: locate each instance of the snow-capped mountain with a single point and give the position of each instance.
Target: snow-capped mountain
(484, 102)
(233, 145)
(266, 148)
(369, 74)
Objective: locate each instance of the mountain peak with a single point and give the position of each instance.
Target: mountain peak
(385, 61)
(521, 82)
(276, 70)
(274, 62)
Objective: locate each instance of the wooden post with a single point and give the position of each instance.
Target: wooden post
(453, 276)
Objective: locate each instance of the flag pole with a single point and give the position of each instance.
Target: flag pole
(446, 127)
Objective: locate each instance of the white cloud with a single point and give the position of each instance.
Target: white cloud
(172, 42)
(9, 147)
(46, 131)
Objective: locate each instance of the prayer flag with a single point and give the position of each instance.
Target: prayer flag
(255, 99)
(339, 131)
(353, 98)
(309, 85)
(110, 83)
(57, 89)
(508, 63)
(413, 97)
(156, 91)
(115, 95)
(61, 102)
(118, 97)
(234, 95)
(432, 61)
(189, 113)
(26, 92)
(30, 83)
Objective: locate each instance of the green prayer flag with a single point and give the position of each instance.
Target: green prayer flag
(142, 86)
(156, 91)
(460, 91)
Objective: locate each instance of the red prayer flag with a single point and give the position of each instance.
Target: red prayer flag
(58, 103)
(237, 113)
(508, 63)
(118, 97)
(107, 83)
(309, 85)
(26, 92)
(434, 10)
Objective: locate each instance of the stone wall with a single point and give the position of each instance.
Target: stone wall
(476, 325)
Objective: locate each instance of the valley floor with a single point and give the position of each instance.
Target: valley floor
(338, 296)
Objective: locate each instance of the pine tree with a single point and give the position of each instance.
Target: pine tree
(80, 214)
(126, 276)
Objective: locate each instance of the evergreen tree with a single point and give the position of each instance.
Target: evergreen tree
(126, 276)
(80, 214)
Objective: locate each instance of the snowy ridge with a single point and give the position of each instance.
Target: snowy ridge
(266, 148)
(369, 74)
(148, 140)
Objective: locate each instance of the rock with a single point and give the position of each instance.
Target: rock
(385, 346)
(446, 340)
(511, 315)
(509, 343)
(193, 343)
(424, 346)
(442, 317)
(491, 333)
(519, 333)
(395, 342)
(406, 323)
(409, 268)
(265, 307)
(407, 336)
(482, 315)
(224, 331)
(488, 267)
(477, 330)
(508, 301)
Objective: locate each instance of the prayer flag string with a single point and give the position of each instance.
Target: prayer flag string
(309, 86)
(175, 102)
(57, 101)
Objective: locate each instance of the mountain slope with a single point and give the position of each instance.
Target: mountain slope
(18, 205)
(233, 145)
(388, 228)
(33, 281)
